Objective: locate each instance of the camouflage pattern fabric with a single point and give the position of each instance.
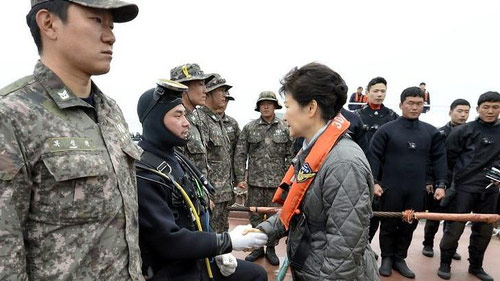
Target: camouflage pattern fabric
(233, 132)
(68, 196)
(219, 220)
(218, 155)
(195, 149)
(189, 72)
(122, 11)
(259, 196)
(267, 146)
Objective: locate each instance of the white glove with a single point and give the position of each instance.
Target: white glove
(250, 240)
(227, 264)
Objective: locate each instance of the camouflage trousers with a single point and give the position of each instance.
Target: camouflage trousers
(219, 220)
(259, 197)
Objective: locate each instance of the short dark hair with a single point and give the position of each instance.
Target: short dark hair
(422, 83)
(489, 96)
(360, 88)
(56, 7)
(376, 80)
(412, 92)
(315, 81)
(458, 102)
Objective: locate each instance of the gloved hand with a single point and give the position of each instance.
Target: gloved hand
(244, 237)
(227, 264)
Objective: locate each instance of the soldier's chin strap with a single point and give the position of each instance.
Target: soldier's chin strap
(169, 178)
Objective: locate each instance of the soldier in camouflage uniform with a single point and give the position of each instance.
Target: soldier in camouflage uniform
(233, 132)
(266, 144)
(218, 152)
(68, 197)
(192, 76)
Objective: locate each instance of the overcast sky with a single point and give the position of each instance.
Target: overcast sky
(454, 46)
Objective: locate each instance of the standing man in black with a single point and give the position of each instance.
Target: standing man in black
(399, 151)
(459, 113)
(373, 115)
(472, 148)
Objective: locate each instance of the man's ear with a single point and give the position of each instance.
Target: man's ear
(47, 24)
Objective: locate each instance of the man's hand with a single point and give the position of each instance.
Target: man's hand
(227, 264)
(439, 194)
(378, 191)
(244, 237)
(243, 185)
(429, 188)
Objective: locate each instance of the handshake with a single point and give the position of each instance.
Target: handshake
(244, 237)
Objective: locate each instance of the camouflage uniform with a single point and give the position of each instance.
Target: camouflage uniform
(219, 160)
(68, 197)
(267, 147)
(233, 132)
(195, 150)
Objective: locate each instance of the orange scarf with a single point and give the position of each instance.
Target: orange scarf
(292, 190)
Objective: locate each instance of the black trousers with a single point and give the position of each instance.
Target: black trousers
(245, 271)
(465, 202)
(396, 235)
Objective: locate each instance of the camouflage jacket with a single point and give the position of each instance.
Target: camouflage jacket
(218, 155)
(195, 149)
(267, 146)
(233, 132)
(68, 195)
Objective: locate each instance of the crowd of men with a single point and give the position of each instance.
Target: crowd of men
(69, 206)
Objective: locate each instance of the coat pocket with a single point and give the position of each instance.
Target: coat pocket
(72, 188)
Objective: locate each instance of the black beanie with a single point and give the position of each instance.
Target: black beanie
(153, 128)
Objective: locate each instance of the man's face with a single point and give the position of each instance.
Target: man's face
(360, 90)
(218, 98)
(197, 92)
(376, 93)
(489, 111)
(266, 108)
(85, 42)
(459, 114)
(412, 107)
(422, 87)
(175, 121)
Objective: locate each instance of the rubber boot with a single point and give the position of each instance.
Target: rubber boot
(401, 267)
(271, 256)
(255, 254)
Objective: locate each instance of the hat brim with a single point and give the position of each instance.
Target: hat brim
(277, 104)
(218, 86)
(229, 97)
(205, 77)
(122, 11)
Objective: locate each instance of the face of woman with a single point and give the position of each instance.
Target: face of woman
(296, 117)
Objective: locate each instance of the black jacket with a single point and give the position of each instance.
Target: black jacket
(373, 119)
(471, 148)
(171, 248)
(399, 152)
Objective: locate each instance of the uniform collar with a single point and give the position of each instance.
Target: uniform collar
(210, 113)
(62, 95)
(262, 121)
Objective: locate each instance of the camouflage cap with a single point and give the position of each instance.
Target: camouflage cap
(267, 95)
(189, 72)
(217, 82)
(122, 11)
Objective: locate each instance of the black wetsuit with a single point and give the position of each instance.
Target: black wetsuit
(398, 156)
(172, 248)
(372, 119)
(471, 148)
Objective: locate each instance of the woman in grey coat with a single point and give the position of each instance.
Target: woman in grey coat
(327, 194)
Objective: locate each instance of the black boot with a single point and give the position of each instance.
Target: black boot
(444, 271)
(386, 267)
(271, 256)
(401, 267)
(255, 254)
(457, 256)
(428, 251)
(479, 273)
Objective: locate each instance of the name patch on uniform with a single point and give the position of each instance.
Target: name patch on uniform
(305, 173)
(68, 143)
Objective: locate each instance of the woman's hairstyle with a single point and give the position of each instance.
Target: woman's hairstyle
(315, 81)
